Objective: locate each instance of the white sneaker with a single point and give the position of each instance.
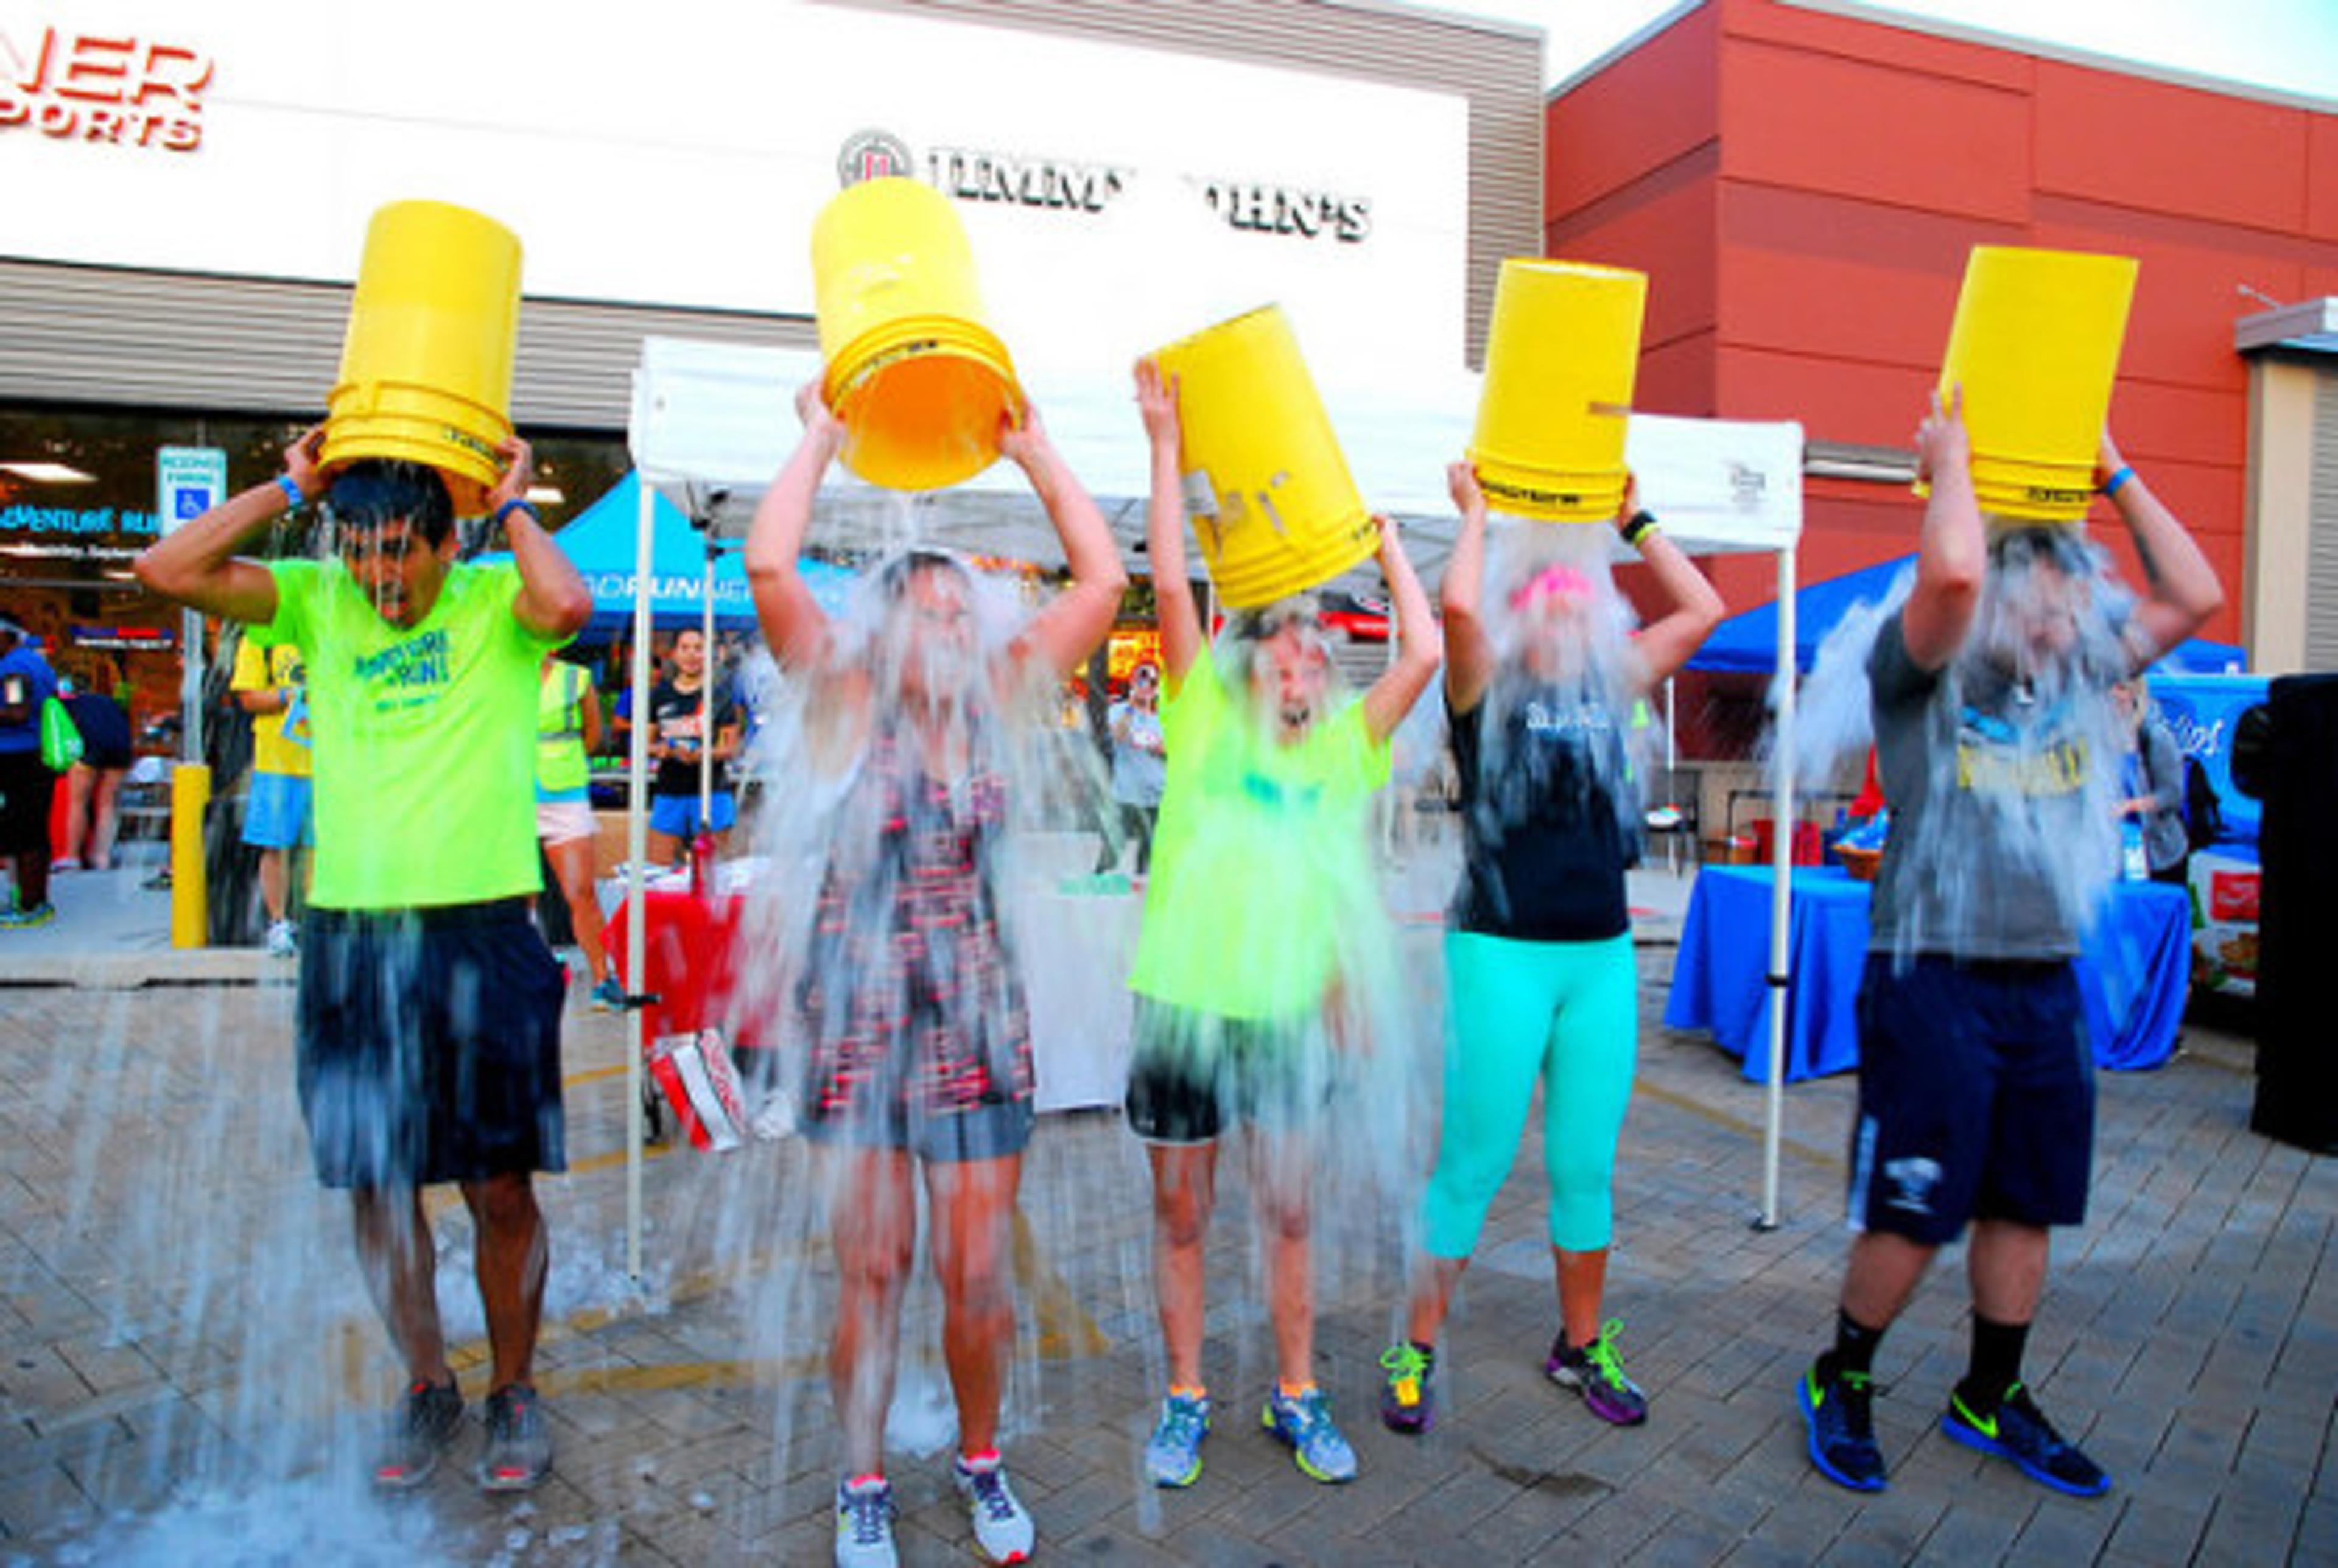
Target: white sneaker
(1001, 1528)
(280, 941)
(864, 1524)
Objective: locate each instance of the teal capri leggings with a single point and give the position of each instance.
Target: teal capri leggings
(1567, 1013)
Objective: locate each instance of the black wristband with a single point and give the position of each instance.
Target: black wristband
(518, 504)
(1638, 526)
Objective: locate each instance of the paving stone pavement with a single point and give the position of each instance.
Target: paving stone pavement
(189, 1371)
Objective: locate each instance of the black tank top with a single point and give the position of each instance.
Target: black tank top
(1545, 841)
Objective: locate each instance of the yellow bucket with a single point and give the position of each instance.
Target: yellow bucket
(426, 367)
(2035, 347)
(919, 382)
(1562, 355)
(1283, 515)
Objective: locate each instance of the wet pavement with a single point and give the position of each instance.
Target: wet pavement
(189, 1370)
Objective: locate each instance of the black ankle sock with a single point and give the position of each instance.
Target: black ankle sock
(1854, 1348)
(1995, 1364)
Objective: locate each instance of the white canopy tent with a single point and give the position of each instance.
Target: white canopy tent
(712, 422)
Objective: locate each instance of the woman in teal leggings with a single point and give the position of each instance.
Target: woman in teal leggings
(1540, 982)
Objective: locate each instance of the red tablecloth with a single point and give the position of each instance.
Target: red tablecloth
(690, 962)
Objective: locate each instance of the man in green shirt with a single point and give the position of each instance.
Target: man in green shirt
(429, 1018)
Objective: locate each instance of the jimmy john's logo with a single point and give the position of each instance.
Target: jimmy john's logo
(872, 155)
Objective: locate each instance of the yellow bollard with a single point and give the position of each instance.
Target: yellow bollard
(190, 796)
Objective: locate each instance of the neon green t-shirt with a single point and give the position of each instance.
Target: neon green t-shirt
(1261, 868)
(562, 771)
(423, 738)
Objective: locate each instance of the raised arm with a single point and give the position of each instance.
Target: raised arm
(1665, 645)
(1953, 554)
(1062, 636)
(1182, 636)
(553, 599)
(795, 628)
(2184, 589)
(197, 565)
(1419, 647)
(1469, 652)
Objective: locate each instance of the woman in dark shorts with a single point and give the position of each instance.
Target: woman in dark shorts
(94, 785)
(917, 1040)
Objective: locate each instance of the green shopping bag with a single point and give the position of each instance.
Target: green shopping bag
(60, 741)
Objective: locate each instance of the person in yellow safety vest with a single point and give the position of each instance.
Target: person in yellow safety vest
(568, 732)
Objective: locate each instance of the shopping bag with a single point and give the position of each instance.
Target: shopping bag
(695, 1073)
(60, 741)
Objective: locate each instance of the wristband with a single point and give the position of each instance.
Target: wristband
(1641, 524)
(2111, 486)
(518, 504)
(293, 499)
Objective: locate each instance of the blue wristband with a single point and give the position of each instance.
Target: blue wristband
(293, 499)
(2111, 486)
(518, 504)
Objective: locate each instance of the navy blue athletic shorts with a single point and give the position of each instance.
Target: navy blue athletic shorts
(428, 1045)
(1975, 1097)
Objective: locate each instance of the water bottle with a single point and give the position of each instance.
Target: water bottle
(2134, 863)
(701, 865)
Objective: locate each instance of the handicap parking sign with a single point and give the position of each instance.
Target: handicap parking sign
(191, 481)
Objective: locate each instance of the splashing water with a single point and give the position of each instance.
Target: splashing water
(2008, 804)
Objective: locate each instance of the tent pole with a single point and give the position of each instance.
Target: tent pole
(637, 850)
(707, 707)
(1781, 859)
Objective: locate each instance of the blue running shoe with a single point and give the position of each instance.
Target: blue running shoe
(1840, 1411)
(1305, 1424)
(1173, 1455)
(864, 1524)
(2020, 1431)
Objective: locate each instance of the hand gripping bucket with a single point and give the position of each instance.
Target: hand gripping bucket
(2035, 347)
(1562, 354)
(426, 367)
(1276, 508)
(918, 382)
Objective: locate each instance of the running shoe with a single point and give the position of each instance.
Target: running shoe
(1173, 1455)
(281, 943)
(864, 1524)
(419, 1434)
(1305, 1424)
(518, 1452)
(1839, 1409)
(41, 914)
(1407, 1404)
(1596, 1372)
(1002, 1527)
(2020, 1432)
(608, 996)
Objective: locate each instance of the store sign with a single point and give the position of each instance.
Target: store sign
(978, 174)
(60, 520)
(123, 639)
(120, 89)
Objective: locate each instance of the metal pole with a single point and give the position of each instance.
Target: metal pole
(1781, 859)
(707, 708)
(637, 850)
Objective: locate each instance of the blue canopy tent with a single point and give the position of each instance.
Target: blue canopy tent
(1748, 642)
(601, 541)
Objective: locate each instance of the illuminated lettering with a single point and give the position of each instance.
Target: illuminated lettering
(972, 175)
(1287, 209)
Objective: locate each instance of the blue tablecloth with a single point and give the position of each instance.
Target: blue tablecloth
(2133, 973)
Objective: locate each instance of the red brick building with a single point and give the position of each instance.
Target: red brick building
(1803, 180)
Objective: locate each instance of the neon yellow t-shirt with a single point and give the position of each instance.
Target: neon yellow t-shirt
(280, 742)
(424, 738)
(1260, 864)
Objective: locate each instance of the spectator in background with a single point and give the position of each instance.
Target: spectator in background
(94, 785)
(2151, 790)
(26, 782)
(568, 732)
(1139, 767)
(279, 811)
(691, 717)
